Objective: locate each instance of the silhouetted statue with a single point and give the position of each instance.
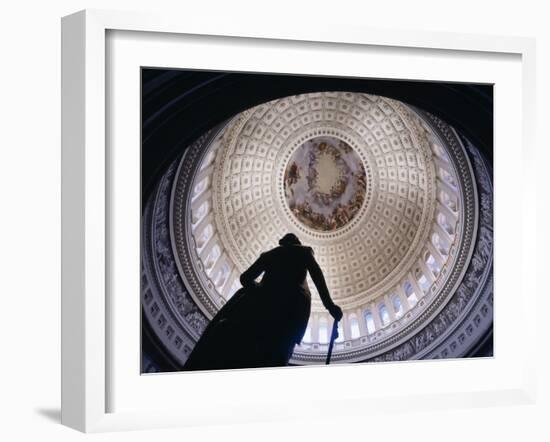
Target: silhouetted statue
(260, 325)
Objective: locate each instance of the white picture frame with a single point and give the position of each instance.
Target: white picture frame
(92, 371)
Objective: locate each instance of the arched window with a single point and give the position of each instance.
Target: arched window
(442, 221)
(409, 291)
(354, 326)
(440, 245)
(200, 213)
(384, 315)
(209, 158)
(433, 265)
(447, 200)
(369, 320)
(447, 177)
(424, 283)
(440, 152)
(222, 275)
(397, 306)
(200, 187)
(212, 257)
(421, 280)
(205, 236)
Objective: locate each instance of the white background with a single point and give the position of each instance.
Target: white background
(30, 222)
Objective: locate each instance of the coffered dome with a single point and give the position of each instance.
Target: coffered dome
(387, 145)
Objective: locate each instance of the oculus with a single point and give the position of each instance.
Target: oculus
(325, 183)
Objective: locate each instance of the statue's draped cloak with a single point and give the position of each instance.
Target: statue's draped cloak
(262, 322)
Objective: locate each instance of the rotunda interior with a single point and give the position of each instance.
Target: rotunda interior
(395, 202)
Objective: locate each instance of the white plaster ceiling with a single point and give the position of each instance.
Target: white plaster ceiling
(371, 253)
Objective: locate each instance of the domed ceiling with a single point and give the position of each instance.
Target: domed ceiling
(350, 174)
(386, 202)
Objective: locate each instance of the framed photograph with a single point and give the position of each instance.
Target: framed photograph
(251, 214)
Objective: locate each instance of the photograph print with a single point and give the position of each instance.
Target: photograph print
(295, 220)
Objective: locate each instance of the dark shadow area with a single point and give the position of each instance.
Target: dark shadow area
(484, 349)
(154, 358)
(51, 414)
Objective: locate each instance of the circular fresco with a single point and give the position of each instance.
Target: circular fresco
(325, 183)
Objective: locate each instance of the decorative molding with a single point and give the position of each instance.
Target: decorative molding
(167, 304)
(183, 243)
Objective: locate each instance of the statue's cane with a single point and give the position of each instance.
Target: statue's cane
(333, 337)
